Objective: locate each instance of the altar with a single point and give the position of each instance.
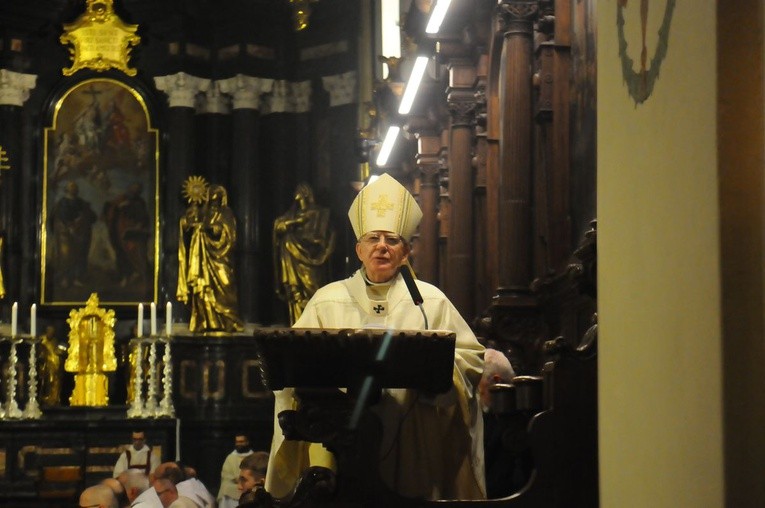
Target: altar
(47, 462)
(194, 392)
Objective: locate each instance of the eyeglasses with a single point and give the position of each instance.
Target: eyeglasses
(374, 239)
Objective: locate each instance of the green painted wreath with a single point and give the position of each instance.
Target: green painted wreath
(640, 83)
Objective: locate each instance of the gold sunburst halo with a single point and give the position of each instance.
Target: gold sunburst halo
(195, 189)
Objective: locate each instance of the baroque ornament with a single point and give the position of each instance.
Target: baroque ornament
(100, 40)
(640, 83)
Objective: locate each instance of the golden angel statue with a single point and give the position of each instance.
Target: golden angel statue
(91, 353)
(303, 243)
(205, 259)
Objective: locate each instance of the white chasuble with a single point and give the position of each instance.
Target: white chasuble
(432, 446)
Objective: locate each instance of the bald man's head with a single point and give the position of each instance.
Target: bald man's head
(98, 495)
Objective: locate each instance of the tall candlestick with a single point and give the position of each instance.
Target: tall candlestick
(168, 318)
(14, 318)
(33, 320)
(153, 319)
(139, 323)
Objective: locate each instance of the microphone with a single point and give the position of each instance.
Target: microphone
(406, 273)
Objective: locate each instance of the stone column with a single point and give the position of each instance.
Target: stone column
(253, 256)
(213, 123)
(284, 157)
(181, 90)
(14, 91)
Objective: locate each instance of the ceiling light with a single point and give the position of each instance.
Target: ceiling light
(387, 146)
(437, 16)
(418, 71)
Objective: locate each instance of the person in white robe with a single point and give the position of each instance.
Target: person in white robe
(432, 446)
(138, 455)
(228, 494)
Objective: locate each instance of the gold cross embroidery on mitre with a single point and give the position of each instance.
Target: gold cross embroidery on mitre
(382, 205)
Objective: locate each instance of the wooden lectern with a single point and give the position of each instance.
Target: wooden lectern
(317, 363)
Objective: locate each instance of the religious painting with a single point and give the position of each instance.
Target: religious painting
(100, 205)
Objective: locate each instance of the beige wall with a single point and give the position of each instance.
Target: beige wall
(660, 358)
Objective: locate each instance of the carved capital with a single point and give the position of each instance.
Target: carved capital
(462, 107)
(287, 97)
(341, 88)
(181, 89)
(518, 16)
(246, 91)
(213, 100)
(15, 87)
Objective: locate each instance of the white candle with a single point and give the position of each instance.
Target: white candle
(14, 318)
(153, 319)
(33, 320)
(168, 319)
(139, 323)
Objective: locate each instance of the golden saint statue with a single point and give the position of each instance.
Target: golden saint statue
(303, 243)
(91, 353)
(50, 368)
(205, 259)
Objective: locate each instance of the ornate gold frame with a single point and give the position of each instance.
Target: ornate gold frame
(101, 175)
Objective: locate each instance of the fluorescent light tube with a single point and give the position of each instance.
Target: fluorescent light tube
(437, 16)
(387, 146)
(418, 71)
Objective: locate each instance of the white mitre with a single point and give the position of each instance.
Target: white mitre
(385, 205)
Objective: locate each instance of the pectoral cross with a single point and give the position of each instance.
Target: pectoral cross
(378, 309)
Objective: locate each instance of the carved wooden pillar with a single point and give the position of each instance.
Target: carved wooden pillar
(181, 90)
(515, 245)
(428, 148)
(483, 288)
(444, 206)
(251, 255)
(14, 91)
(459, 248)
(554, 83)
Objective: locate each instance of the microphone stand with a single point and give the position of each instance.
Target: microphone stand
(406, 273)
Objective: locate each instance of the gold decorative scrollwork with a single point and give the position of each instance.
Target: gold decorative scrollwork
(100, 40)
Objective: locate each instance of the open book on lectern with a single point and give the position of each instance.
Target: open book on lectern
(343, 358)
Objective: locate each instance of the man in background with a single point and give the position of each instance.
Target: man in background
(98, 496)
(136, 456)
(185, 480)
(252, 472)
(228, 494)
(138, 490)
